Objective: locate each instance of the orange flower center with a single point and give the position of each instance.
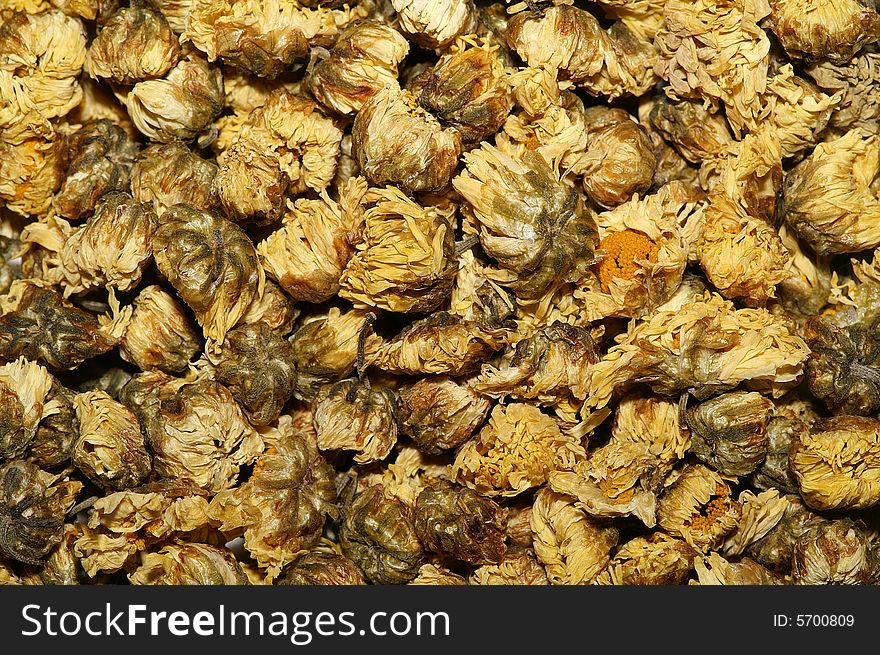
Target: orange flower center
(622, 250)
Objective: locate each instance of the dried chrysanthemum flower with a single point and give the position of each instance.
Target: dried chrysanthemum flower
(135, 43)
(397, 142)
(364, 60)
(320, 568)
(774, 472)
(100, 157)
(466, 89)
(515, 569)
(776, 549)
(38, 323)
(807, 288)
(517, 450)
(24, 402)
(698, 507)
(834, 552)
(836, 464)
(435, 24)
(325, 348)
(572, 546)
(41, 56)
(406, 261)
(835, 30)
(160, 334)
(96, 9)
(212, 265)
(760, 514)
(696, 132)
(729, 432)
(618, 159)
(713, 569)
(349, 415)
(166, 174)
(111, 249)
(830, 201)
(189, 564)
(433, 575)
(476, 296)
(53, 441)
(110, 450)
(285, 146)
(529, 220)
(308, 253)
(857, 82)
(257, 365)
(275, 308)
(439, 344)
(282, 507)
(408, 475)
(377, 532)
(180, 105)
(614, 62)
(705, 346)
(33, 505)
(265, 38)
(30, 173)
(657, 559)
(461, 524)
(440, 413)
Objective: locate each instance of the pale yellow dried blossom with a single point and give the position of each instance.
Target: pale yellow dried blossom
(24, 388)
(713, 569)
(613, 62)
(834, 30)
(837, 464)
(830, 200)
(715, 50)
(857, 82)
(152, 512)
(807, 289)
(742, 256)
(265, 37)
(430, 574)
(111, 249)
(435, 24)
(175, 12)
(189, 564)
(87, 9)
(521, 569)
(160, 334)
(475, 294)
(395, 141)
(698, 507)
(834, 552)
(409, 474)
(99, 552)
(41, 57)
(364, 60)
(654, 560)
(110, 449)
(9, 7)
(99, 102)
(517, 450)
(30, 174)
(573, 547)
(135, 43)
(316, 240)
(169, 173)
(705, 346)
(275, 308)
(695, 131)
(760, 514)
(529, 220)
(286, 146)
(180, 105)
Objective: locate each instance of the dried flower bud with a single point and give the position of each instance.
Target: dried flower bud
(829, 198)
(364, 60)
(654, 560)
(836, 30)
(378, 534)
(440, 344)
(189, 564)
(467, 90)
(257, 366)
(135, 43)
(517, 450)
(461, 524)
(432, 575)
(30, 173)
(573, 547)
(729, 432)
(180, 105)
(94, 9)
(282, 507)
(857, 82)
(529, 220)
(760, 514)
(110, 450)
(696, 132)
(477, 297)
(100, 156)
(835, 552)
(276, 309)
(397, 142)
(713, 569)
(435, 24)
(396, 226)
(24, 390)
(440, 413)
(699, 508)
(160, 334)
(309, 252)
(285, 146)
(169, 173)
(33, 505)
(212, 265)
(316, 568)
(521, 569)
(350, 415)
(836, 465)
(53, 443)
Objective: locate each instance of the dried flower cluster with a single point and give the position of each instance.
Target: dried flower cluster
(312, 292)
